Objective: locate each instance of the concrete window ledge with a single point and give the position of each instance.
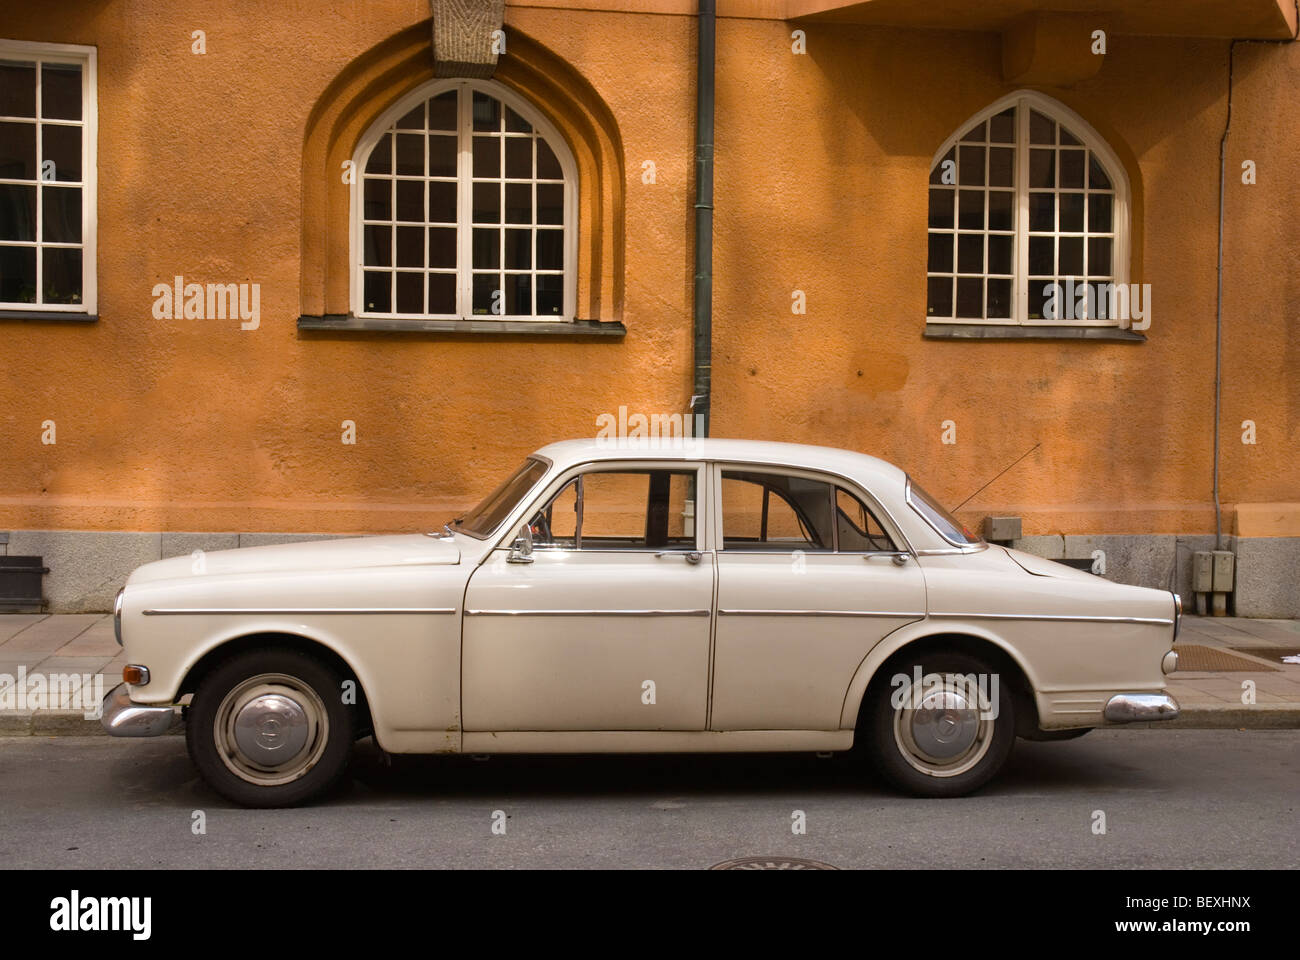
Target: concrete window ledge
(346, 323)
(980, 331)
(48, 316)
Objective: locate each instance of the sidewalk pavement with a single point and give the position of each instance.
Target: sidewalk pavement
(83, 644)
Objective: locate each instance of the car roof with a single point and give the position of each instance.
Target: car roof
(859, 466)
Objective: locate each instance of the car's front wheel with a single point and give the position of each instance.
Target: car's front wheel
(939, 724)
(269, 728)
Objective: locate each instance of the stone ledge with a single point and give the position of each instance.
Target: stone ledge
(346, 323)
(998, 331)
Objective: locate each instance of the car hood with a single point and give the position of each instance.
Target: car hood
(316, 555)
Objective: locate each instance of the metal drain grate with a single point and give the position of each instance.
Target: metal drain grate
(1194, 658)
(771, 863)
(1271, 654)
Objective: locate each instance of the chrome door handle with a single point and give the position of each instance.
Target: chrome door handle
(898, 557)
(691, 556)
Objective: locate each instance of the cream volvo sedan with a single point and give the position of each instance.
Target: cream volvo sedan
(642, 597)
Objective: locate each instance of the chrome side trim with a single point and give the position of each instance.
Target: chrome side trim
(587, 613)
(1158, 621)
(299, 611)
(820, 613)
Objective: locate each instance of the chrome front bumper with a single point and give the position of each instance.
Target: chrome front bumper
(122, 718)
(1135, 707)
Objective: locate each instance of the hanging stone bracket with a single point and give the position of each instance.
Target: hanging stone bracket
(467, 37)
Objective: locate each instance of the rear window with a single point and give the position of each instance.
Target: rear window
(939, 518)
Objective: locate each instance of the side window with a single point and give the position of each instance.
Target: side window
(618, 510)
(858, 528)
(768, 511)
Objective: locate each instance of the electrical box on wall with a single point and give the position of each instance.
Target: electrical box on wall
(1001, 529)
(1213, 574)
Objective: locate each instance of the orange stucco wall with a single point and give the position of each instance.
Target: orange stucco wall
(822, 165)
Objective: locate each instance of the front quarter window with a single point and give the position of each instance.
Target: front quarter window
(943, 522)
(497, 505)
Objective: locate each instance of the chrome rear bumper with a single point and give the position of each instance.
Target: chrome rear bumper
(123, 718)
(1135, 707)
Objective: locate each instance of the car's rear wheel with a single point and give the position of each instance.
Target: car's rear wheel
(269, 728)
(939, 724)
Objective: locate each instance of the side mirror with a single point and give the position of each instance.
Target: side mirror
(521, 551)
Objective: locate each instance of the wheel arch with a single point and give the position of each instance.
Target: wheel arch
(924, 638)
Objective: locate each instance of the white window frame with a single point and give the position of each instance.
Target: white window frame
(86, 56)
(1024, 101)
(464, 240)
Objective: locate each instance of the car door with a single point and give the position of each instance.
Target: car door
(808, 582)
(605, 626)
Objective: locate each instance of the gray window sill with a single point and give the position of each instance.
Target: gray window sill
(990, 331)
(49, 316)
(346, 323)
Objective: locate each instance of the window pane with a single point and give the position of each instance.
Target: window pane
(410, 155)
(1002, 128)
(487, 203)
(1072, 169)
(941, 208)
(442, 293)
(486, 294)
(519, 294)
(858, 528)
(410, 246)
(550, 295)
(1097, 179)
(413, 119)
(61, 221)
(1099, 254)
(487, 157)
(970, 298)
(1100, 207)
(970, 214)
(970, 253)
(1041, 129)
(550, 203)
(1002, 167)
(975, 134)
(378, 203)
(378, 245)
(410, 200)
(519, 203)
(1041, 253)
(376, 291)
(18, 151)
(550, 250)
(940, 253)
(1042, 168)
(516, 123)
(410, 293)
(487, 249)
(442, 247)
(1071, 212)
(1042, 211)
(487, 112)
(999, 298)
(945, 170)
(62, 274)
(1068, 138)
(61, 91)
(939, 297)
(1000, 254)
(1070, 255)
(1001, 205)
(442, 111)
(776, 513)
(381, 156)
(442, 156)
(442, 202)
(17, 89)
(519, 249)
(1040, 288)
(17, 212)
(18, 274)
(61, 146)
(519, 157)
(970, 167)
(548, 165)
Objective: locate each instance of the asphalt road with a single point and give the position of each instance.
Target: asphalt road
(1171, 798)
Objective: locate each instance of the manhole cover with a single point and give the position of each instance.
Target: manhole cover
(771, 863)
(1194, 658)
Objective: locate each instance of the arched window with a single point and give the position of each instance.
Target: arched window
(1024, 196)
(464, 206)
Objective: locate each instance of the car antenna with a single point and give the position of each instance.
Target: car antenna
(1012, 464)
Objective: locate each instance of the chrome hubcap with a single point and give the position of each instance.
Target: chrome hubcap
(271, 729)
(943, 728)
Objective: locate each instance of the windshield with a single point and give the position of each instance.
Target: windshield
(498, 504)
(948, 526)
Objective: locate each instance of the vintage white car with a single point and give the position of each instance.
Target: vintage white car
(642, 597)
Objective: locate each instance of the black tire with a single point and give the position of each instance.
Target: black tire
(302, 696)
(889, 730)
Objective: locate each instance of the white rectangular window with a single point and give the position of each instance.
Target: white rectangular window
(47, 177)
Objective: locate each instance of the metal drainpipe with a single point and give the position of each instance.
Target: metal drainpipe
(701, 390)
